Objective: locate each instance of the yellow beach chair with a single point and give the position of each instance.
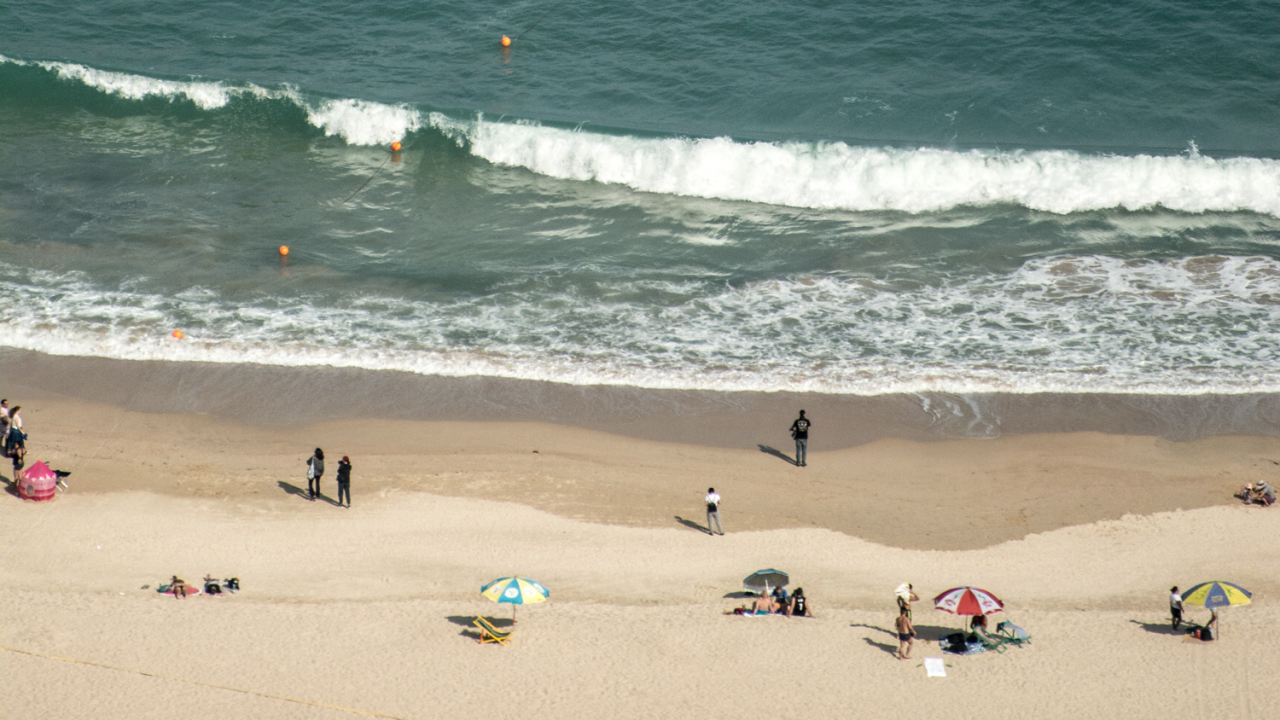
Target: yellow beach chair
(489, 633)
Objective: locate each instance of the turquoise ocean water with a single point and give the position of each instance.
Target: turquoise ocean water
(835, 197)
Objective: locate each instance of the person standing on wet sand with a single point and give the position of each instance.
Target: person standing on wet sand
(344, 480)
(800, 431)
(713, 511)
(315, 469)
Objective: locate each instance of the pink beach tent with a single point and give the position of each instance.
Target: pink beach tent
(38, 483)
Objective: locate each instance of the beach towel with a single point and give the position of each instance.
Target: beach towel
(934, 667)
(904, 591)
(167, 589)
(968, 648)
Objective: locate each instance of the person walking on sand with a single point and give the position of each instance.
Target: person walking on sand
(713, 511)
(315, 469)
(906, 634)
(1175, 606)
(800, 432)
(344, 480)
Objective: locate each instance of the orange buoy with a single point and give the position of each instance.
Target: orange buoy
(395, 146)
(506, 41)
(284, 250)
(178, 334)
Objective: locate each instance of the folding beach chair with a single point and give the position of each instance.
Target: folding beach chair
(1011, 634)
(489, 633)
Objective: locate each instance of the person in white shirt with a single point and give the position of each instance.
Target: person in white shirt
(713, 511)
(1175, 606)
(4, 423)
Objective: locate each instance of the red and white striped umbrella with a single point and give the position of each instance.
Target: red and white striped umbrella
(968, 601)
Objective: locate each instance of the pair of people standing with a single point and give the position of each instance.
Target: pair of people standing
(315, 470)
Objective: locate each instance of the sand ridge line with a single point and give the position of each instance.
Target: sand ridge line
(368, 713)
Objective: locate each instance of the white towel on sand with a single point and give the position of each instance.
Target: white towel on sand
(934, 667)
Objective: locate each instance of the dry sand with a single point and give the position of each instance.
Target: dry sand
(367, 610)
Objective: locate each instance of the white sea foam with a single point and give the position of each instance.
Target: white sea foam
(364, 123)
(1067, 324)
(839, 176)
(358, 122)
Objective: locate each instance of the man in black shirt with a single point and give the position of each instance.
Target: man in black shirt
(800, 431)
(344, 479)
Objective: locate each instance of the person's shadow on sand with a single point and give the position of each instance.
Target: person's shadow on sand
(891, 649)
(776, 453)
(924, 633)
(1163, 628)
(694, 525)
(295, 490)
(10, 486)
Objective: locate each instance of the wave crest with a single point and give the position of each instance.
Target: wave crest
(358, 122)
(836, 176)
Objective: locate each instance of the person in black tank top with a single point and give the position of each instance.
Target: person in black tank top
(800, 604)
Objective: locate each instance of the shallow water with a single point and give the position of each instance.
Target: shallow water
(842, 199)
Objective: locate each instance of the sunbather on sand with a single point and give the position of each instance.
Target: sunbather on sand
(178, 587)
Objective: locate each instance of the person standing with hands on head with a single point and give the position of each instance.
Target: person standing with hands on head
(344, 480)
(315, 469)
(800, 431)
(1175, 606)
(713, 511)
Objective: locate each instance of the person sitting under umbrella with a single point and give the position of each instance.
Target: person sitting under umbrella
(782, 603)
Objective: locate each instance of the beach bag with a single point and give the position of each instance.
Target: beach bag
(956, 640)
(311, 470)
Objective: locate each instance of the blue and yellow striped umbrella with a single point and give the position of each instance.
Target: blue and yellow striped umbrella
(1217, 594)
(520, 591)
(515, 590)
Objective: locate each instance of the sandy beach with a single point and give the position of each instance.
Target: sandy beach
(367, 611)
